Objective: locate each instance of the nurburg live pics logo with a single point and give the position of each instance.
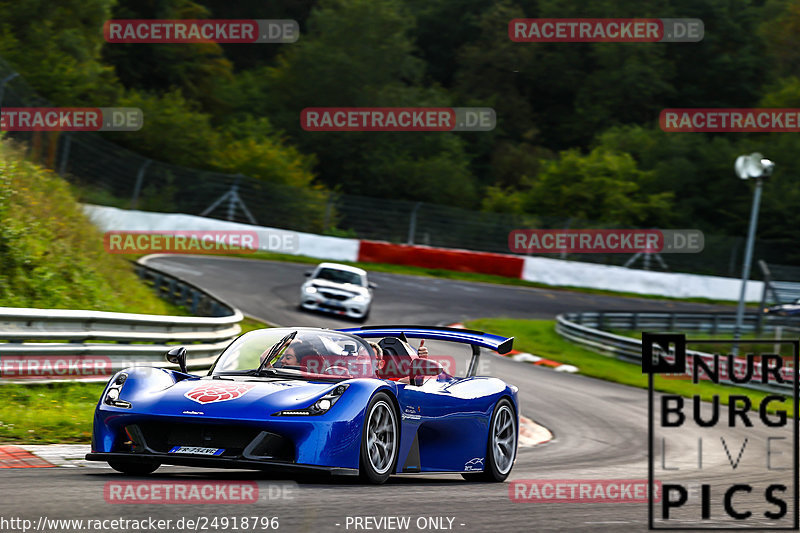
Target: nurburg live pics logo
(746, 458)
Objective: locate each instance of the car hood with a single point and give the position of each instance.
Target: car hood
(225, 397)
(345, 287)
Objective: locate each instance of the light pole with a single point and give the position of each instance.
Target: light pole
(753, 166)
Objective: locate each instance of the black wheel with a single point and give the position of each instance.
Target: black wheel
(366, 315)
(501, 448)
(380, 440)
(134, 469)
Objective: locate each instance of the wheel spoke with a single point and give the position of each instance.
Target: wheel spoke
(382, 433)
(504, 439)
(500, 450)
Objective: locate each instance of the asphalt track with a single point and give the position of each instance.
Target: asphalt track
(600, 428)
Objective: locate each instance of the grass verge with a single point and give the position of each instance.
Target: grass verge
(539, 337)
(51, 254)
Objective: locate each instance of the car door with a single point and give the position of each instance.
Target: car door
(449, 429)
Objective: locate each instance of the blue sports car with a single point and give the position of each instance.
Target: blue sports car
(291, 399)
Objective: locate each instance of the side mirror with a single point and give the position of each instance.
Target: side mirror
(421, 368)
(177, 356)
(425, 367)
(308, 273)
(372, 285)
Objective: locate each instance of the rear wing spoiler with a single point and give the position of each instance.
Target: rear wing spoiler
(476, 339)
(466, 336)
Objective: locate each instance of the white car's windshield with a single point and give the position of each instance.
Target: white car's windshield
(339, 276)
(311, 353)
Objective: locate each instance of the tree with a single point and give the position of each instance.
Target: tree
(602, 186)
(55, 47)
(359, 53)
(196, 69)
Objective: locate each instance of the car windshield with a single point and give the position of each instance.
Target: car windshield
(312, 353)
(339, 276)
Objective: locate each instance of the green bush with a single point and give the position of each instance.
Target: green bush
(51, 256)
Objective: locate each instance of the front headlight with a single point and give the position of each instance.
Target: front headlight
(360, 299)
(114, 390)
(320, 407)
(311, 289)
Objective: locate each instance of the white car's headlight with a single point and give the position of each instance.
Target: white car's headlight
(311, 289)
(360, 299)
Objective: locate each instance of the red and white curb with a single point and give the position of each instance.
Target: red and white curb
(531, 433)
(46, 455)
(525, 357)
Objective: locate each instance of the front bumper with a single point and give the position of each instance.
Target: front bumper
(348, 308)
(219, 462)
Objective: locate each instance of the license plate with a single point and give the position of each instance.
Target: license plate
(196, 450)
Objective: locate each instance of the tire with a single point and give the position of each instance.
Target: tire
(366, 315)
(379, 450)
(134, 469)
(501, 447)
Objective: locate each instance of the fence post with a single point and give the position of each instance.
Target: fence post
(62, 166)
(328, 209)
(232, 198)
(412, 224)
(139, 179)
(767, 282)
(3, 85)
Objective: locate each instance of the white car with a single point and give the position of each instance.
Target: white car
(338, 289)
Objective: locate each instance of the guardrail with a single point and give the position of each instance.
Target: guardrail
(587, 329)
(125, 338)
